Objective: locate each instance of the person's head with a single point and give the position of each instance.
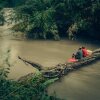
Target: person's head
(79, 48)
(83, 47)
(73, 55)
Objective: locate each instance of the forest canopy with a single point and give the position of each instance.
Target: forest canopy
(54, 19)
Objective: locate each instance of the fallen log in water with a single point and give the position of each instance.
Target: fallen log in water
(36, 65)
(63, 69)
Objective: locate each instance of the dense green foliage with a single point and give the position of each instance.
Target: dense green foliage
(10, 3)
(32, 88)
(48, 19)
(59, 18)
(38, 20)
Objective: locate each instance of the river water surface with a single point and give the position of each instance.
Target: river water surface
(83, 84)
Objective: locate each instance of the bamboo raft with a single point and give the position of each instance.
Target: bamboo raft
(63, 69)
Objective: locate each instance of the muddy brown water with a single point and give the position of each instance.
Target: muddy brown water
(83, 84)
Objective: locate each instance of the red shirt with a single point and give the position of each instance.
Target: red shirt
(85, 52)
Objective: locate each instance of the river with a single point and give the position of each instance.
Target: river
(83, 84)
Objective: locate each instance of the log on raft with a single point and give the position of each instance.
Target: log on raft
(63, 69)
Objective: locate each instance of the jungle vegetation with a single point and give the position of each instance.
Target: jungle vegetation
(31, 88)
(55, 19)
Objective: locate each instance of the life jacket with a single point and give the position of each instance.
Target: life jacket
(89, 52)
(85, 52)
(72, 60)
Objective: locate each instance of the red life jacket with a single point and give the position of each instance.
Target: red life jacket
(85, 52)
(72, 60)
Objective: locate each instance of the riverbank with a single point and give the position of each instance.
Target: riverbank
(32, 88)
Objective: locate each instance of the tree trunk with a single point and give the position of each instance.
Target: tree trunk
(63, 69)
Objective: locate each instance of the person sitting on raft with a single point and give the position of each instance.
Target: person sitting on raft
(73, 59)
(79, 54)
(85, 52)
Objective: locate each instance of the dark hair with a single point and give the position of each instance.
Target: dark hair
(73, 55)
(79, 48)
(83, 47)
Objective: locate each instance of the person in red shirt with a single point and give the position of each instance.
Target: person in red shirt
(85, 52)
